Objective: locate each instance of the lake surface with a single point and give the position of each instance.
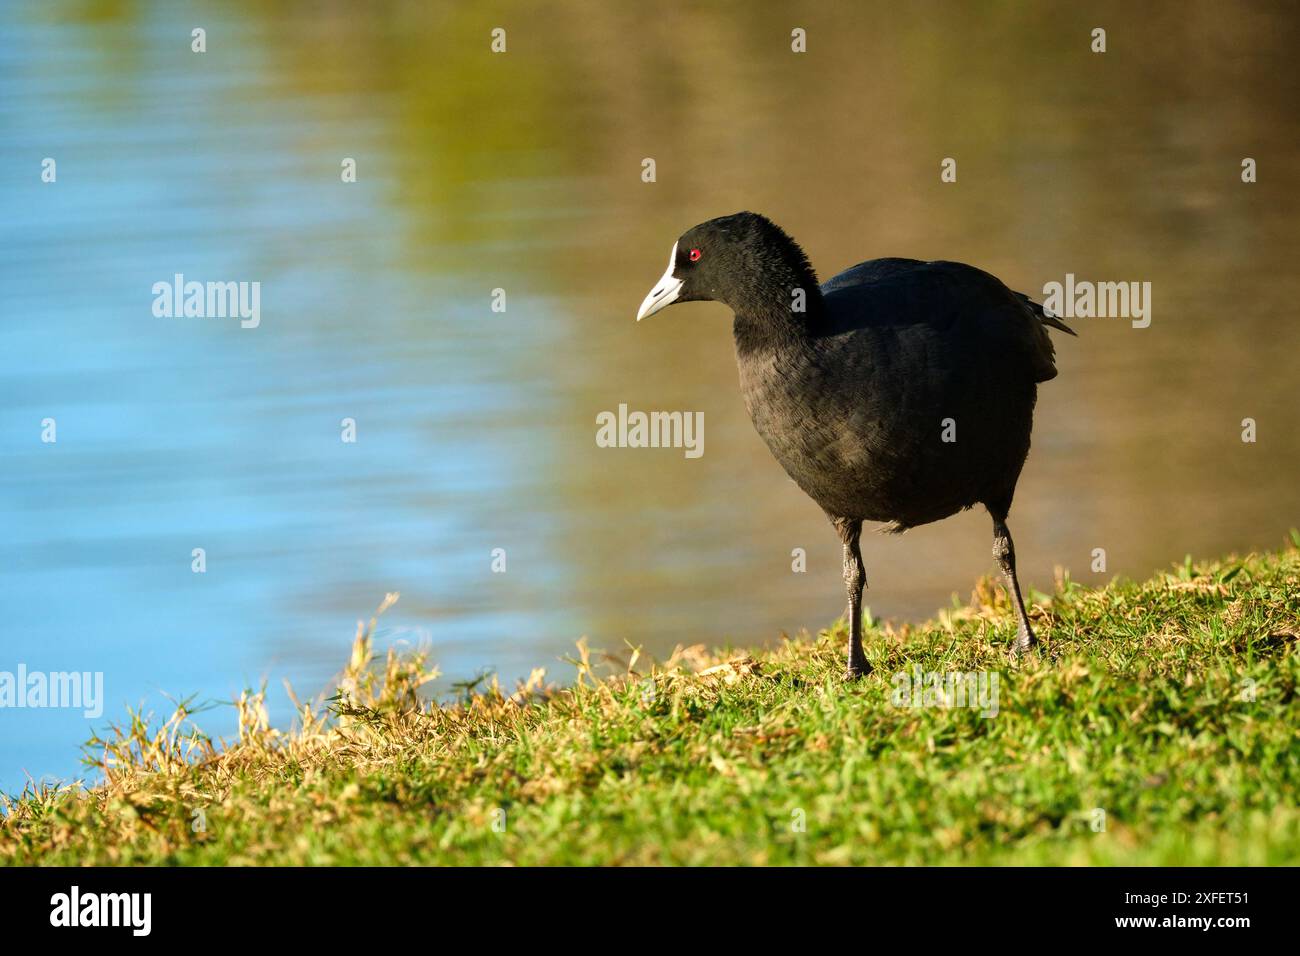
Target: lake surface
(475, 428)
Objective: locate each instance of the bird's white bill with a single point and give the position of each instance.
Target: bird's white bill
(665, 291)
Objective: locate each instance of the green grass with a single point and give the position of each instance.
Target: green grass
(1170, 705)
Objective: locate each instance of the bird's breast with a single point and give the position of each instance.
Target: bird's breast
(860, 441)
(819, 435)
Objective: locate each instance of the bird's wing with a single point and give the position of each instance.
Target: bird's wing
(949, 299)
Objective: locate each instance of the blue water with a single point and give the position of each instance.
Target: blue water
(183, 433)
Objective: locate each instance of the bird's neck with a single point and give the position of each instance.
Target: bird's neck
(778, 312)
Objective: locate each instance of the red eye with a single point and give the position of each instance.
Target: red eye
(695, 255)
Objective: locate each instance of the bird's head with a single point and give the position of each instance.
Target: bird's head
(744, 261)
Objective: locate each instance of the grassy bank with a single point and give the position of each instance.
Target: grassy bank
(1159, 725)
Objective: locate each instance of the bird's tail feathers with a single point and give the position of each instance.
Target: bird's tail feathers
(1046, 317)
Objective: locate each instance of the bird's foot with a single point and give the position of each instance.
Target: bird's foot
(1024, 641)
(857, 669)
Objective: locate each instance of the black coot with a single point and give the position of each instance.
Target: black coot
(899, 391)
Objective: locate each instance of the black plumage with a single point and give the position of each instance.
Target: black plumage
(899, 391)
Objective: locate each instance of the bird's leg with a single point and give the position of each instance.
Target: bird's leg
(855, 578)
(1004, 552)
